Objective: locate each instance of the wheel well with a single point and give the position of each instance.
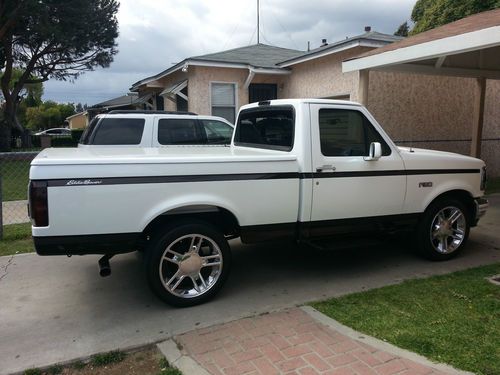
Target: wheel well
(219, 217)
(463, 197)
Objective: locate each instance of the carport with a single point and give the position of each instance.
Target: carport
(468, 48)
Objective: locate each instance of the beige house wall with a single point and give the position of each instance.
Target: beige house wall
(78, 122)
(323, 77)
(200, 79)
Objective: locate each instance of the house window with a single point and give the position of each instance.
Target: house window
(223, 98)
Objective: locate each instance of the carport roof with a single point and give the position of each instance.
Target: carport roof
(469, 47)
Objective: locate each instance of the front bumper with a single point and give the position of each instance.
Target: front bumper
(482, 205)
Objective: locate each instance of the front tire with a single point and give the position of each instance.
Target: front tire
(188, 263)
(443, 230)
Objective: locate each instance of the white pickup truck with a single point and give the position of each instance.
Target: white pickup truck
(298, 169)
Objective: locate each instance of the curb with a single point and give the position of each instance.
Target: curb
(379, 344)
(179, 360)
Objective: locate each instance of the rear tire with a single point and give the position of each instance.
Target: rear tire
(444, 229)
(188, 263)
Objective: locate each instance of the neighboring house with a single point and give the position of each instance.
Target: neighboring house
(78, 120)
(436, 109)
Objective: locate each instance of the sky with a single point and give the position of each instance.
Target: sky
(154, 34)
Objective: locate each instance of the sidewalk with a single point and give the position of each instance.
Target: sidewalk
(295, 341)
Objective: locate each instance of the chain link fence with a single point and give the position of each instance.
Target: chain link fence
(14, 177)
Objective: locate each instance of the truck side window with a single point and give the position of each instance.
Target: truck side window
(345, 132)
(271, 128)
(118, 131)
(217, 132)
(180, 132)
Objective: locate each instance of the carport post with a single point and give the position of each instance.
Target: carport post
(477, 126)
(364, 80)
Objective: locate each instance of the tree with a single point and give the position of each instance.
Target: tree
(403, 29)
(428, 14)
(48, 115)
(45, 39)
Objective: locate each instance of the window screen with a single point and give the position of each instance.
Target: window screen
(217, 132)
(347, 133)
(223, 99)
(118, 131)
(271, 128)
(180, 132)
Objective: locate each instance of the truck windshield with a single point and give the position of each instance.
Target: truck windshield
(270, 128)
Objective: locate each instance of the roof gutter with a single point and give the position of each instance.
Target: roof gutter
(184, 65)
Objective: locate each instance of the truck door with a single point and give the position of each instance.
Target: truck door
(345, 184)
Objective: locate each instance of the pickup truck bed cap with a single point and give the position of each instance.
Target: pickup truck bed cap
(153, 155)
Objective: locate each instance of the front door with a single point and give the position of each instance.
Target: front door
(258, 92)
(345, 185)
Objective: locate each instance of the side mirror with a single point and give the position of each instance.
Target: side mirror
(375, 151)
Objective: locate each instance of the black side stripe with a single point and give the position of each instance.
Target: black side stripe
(410, 172)
(96, 181)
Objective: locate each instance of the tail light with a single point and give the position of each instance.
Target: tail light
(38, 203)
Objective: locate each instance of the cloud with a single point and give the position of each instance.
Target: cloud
(156, 34)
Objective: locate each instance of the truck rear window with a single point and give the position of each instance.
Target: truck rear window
(118, 131)
(270, 128)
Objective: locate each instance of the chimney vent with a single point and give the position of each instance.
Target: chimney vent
(324, 42)
(368, 29)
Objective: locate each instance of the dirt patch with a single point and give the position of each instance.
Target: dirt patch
(147, 361)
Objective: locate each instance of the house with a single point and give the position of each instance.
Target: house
(416, 107)
(219, 83)
(79, 120)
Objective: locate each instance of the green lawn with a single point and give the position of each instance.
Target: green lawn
(453, 319)
(15, 178)
(16, 239)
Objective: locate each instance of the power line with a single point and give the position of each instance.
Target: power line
(287, 33)
(237, 26)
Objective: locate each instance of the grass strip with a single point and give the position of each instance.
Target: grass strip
(16, 239)
(453, 318)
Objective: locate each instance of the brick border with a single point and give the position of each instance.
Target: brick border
(379, 344)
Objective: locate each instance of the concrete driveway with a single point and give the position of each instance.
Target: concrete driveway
(55, 309)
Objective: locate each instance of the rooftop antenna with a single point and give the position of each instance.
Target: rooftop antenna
(258, 22)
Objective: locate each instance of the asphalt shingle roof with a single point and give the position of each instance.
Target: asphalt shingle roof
(257, 55)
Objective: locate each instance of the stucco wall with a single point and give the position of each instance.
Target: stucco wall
(323, 77)
(201, 77)
(415, 109)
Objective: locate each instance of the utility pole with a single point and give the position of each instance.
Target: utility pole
(258, 22)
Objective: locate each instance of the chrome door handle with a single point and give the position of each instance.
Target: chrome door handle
(325, 168)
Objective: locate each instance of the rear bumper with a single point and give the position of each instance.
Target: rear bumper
(482, 205)
(87, 244)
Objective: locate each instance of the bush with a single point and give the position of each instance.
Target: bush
(76, 134)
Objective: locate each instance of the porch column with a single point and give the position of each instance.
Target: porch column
(477, 125)
(364, 80)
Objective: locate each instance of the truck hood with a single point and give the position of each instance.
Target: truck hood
(155, 155)
(418, 158)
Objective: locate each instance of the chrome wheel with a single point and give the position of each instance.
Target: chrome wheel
(448, 230)
(190, 266)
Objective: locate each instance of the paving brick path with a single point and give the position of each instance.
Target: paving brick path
(289, 342)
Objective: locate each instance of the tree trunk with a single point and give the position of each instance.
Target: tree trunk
(5, 135)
